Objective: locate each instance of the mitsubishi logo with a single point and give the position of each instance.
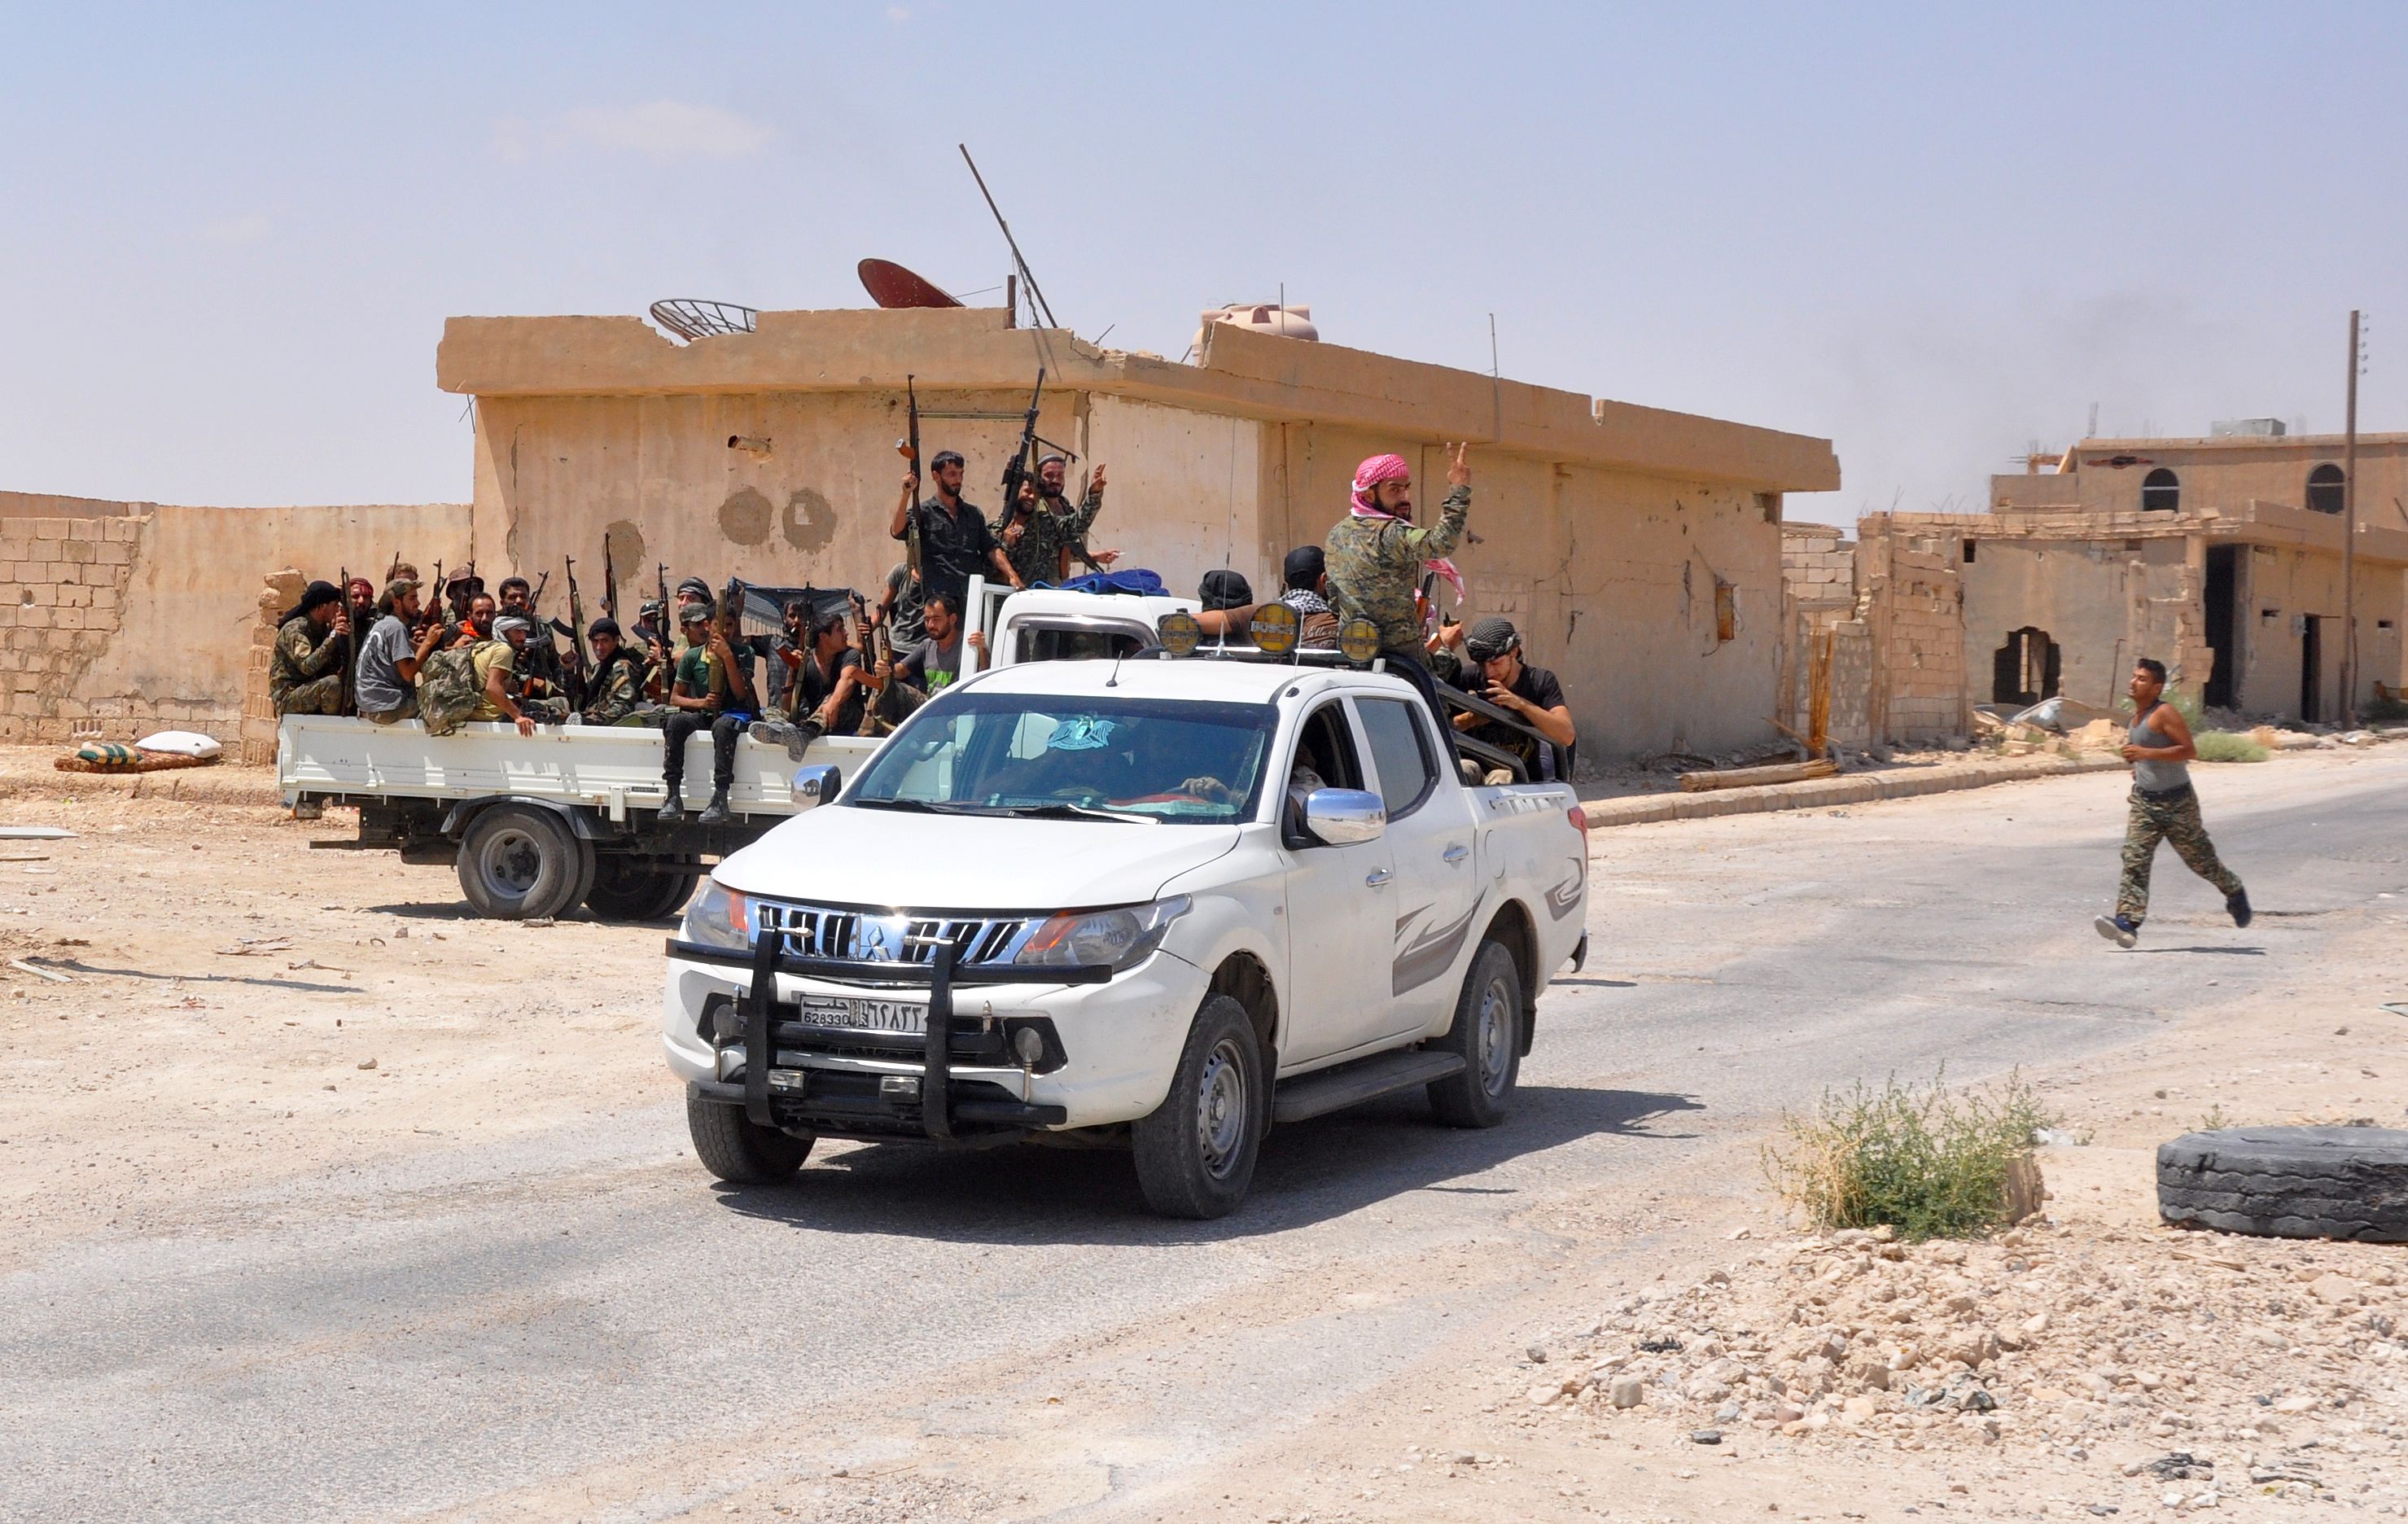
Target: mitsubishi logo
(878, 938)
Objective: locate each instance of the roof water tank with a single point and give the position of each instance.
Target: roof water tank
(1262, 318)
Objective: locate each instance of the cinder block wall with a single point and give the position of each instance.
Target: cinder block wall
(63, 582)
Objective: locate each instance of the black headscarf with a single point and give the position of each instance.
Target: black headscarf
(311, 597)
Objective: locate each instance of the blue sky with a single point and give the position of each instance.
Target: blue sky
(1932, 233)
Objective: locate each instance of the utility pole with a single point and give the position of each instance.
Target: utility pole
(2349, 541)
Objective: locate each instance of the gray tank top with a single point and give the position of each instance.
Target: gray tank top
(2156, 777)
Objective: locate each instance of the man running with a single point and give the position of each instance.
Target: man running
(2160, 750)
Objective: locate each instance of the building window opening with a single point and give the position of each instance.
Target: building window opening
(2323, 489)
(2161, 492)
(1968, 551)
(2027, 668)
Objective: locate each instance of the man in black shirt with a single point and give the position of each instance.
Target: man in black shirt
(956, 543)
(823, 686)
(1492, 650)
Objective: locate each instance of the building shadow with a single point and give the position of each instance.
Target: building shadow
(1308, 1172)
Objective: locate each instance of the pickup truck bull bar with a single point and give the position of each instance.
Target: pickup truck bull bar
(941, 975)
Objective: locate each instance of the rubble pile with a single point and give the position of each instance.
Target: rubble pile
(2224, 1363)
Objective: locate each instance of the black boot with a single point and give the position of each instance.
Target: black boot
(801, 736)
(673, 811)
(2238, 903)
(715, 812)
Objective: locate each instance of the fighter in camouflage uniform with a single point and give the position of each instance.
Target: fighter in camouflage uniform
(1376, 556)
(1034, 539)
(2164, 808)
(615, 694)
(306, 671)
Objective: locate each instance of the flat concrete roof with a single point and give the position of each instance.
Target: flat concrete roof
(1240, 372)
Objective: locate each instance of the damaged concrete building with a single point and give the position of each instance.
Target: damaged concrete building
(1639, 549)
(2220, 556)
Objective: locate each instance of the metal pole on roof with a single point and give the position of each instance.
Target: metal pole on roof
(2349, 540)
(1036, 302)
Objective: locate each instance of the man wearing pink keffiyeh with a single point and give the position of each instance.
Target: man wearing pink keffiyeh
(1377, 556)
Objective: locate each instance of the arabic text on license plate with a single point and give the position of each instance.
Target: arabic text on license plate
(864, 1015)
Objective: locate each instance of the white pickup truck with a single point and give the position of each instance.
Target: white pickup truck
(1177, 900)
(538, 825)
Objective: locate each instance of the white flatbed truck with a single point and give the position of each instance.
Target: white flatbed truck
(538, 825)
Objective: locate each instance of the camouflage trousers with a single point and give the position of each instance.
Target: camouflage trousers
(319, 696)
(2171, 818)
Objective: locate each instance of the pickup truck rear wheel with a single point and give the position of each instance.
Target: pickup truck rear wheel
(518, 864)
(1487, 1033)
(1195, 1154)
(739, 1150)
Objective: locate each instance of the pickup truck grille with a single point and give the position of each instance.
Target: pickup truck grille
(898, 937)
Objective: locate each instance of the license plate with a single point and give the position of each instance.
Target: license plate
(860, 1015)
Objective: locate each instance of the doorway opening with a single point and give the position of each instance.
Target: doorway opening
(2312, 666)
(2025, 670)
(2223, 597)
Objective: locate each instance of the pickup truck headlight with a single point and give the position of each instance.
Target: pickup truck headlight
(719, 917)
(1122, 938)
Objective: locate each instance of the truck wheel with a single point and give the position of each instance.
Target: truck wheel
(1487, 1033)
(517, 864)
(739, 1150)
(627, 890)
(1195, 1154)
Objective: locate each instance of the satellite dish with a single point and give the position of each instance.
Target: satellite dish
(890, 285)
(690, 319)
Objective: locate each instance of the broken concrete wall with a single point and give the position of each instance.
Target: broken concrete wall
(1914, 600)
(1614, 577)
(2280, 587)
(132, 618)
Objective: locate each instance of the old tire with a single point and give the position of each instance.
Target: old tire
(627, 889)
(1487, 1034)
(739, 1150)
(1195, 1154)
(519, 863)
(2313, 1182)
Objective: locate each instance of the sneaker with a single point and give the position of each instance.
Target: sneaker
(2238, 903)
(2115, 928)
(673, 813)
(715, 812)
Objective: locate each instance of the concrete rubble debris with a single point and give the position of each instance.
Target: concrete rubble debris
(2275, 1357)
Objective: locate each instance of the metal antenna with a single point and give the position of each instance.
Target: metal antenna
(1036, 297)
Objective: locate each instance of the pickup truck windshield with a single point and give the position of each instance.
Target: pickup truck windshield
(1166, 760)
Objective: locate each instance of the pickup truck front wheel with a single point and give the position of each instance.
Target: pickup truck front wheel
(1487, 1033)
(1195, 1154)
(739, 1150)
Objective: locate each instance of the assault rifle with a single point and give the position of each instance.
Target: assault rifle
(348, 702)
(576, 622)
(430, 607)
(1015, 471)
(909, 449)
(610, 584)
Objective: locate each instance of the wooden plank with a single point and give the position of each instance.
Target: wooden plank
(1780, 772)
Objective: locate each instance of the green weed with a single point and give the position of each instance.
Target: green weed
(1931, 1163)
(2228, 746)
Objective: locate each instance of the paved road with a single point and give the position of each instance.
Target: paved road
(474, 1327)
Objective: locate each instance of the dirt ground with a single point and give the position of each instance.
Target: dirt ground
(267, 1010)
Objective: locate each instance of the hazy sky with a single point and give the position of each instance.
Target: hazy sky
(229, 236)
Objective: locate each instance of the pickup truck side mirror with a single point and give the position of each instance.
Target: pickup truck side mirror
(1342, 817)
(816, 785)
